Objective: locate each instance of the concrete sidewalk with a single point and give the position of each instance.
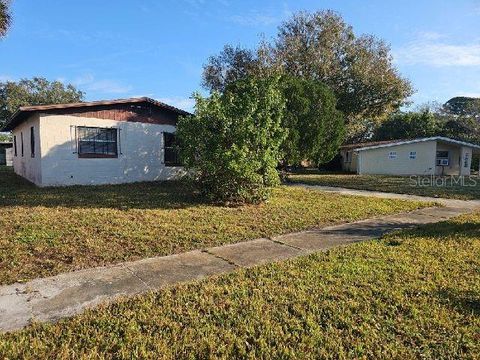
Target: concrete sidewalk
(49, 299)
(388, 195)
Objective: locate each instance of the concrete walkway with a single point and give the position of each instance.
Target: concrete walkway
(388, 195)
(49, 299)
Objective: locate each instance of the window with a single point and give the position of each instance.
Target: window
(21, 141)
(465, 160)
(32, 141)
(170, 147)
(348, 156)
(442, 158)
(96, 142)
(413, 155)
(15, 145)
(392, 155)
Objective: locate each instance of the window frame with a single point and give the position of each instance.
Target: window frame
(466, 158)
(21, 141)
(348, 156)
(32, 142)
(439, 158)
(176, 162)
(392, 155)
(97, 155)
(15, 153)
(412, 155)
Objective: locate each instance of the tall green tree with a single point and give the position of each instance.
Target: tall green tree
(232, 64)
(463, 106)
(232, 144)
(5, 17)
(35, 91)
(465, 128)
(321, 46)
(408, 125)
(315, 127)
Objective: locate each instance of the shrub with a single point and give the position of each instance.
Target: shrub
(232, 144)
(315, 126)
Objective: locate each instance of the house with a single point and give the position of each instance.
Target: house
(5, 158)
(100, 142)
(425, 156)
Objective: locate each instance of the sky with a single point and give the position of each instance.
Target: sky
(121, 48)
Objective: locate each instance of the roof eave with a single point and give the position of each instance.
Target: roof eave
(414, 141)
(11, 124)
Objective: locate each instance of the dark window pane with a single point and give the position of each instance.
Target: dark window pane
(32, 141)
(171, 151)
(442, 154)
(169, 139)
(97, 141)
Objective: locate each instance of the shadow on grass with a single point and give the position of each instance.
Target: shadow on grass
(16, 191)
(448, 229)
(466, 302)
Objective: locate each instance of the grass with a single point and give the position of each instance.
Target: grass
(413, 294)
(45, 231)
(468, 190)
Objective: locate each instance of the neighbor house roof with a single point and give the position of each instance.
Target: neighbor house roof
(366, 146)
(25, 111)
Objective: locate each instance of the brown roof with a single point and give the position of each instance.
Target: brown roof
(368, 144)
(25, 111)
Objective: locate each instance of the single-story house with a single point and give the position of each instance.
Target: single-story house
(425, 156)
(5, 158)
(100, 142)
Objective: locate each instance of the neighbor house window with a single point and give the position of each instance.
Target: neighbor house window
(348, 156)
(21, 141)
(15, 145)
(465, 160)
(442, 158)
(94, 142)
(392, 155)
(170, 147)
(413, 155)
(32, 141)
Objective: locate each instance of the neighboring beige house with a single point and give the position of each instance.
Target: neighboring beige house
(101, 142)
(5, 158)
(425, 156)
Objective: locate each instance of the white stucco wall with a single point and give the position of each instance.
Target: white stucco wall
(377, 161)
(140, 155)
(466, 151)
(9, 157)
(27, 166)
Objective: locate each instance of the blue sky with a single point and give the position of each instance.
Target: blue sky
(115, 49)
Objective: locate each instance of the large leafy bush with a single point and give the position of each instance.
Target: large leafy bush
(232, 144)
(315, 127)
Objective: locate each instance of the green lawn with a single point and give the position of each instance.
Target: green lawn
(413, 294)
(52, 230)
(468, 190)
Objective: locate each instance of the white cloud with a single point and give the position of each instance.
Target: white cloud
(254, 19)
(261, 18)
(469, 94)
(88, 82)
(186, 104)
(432, 49)
(108, 86)
(6, 78)
(141, 95)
